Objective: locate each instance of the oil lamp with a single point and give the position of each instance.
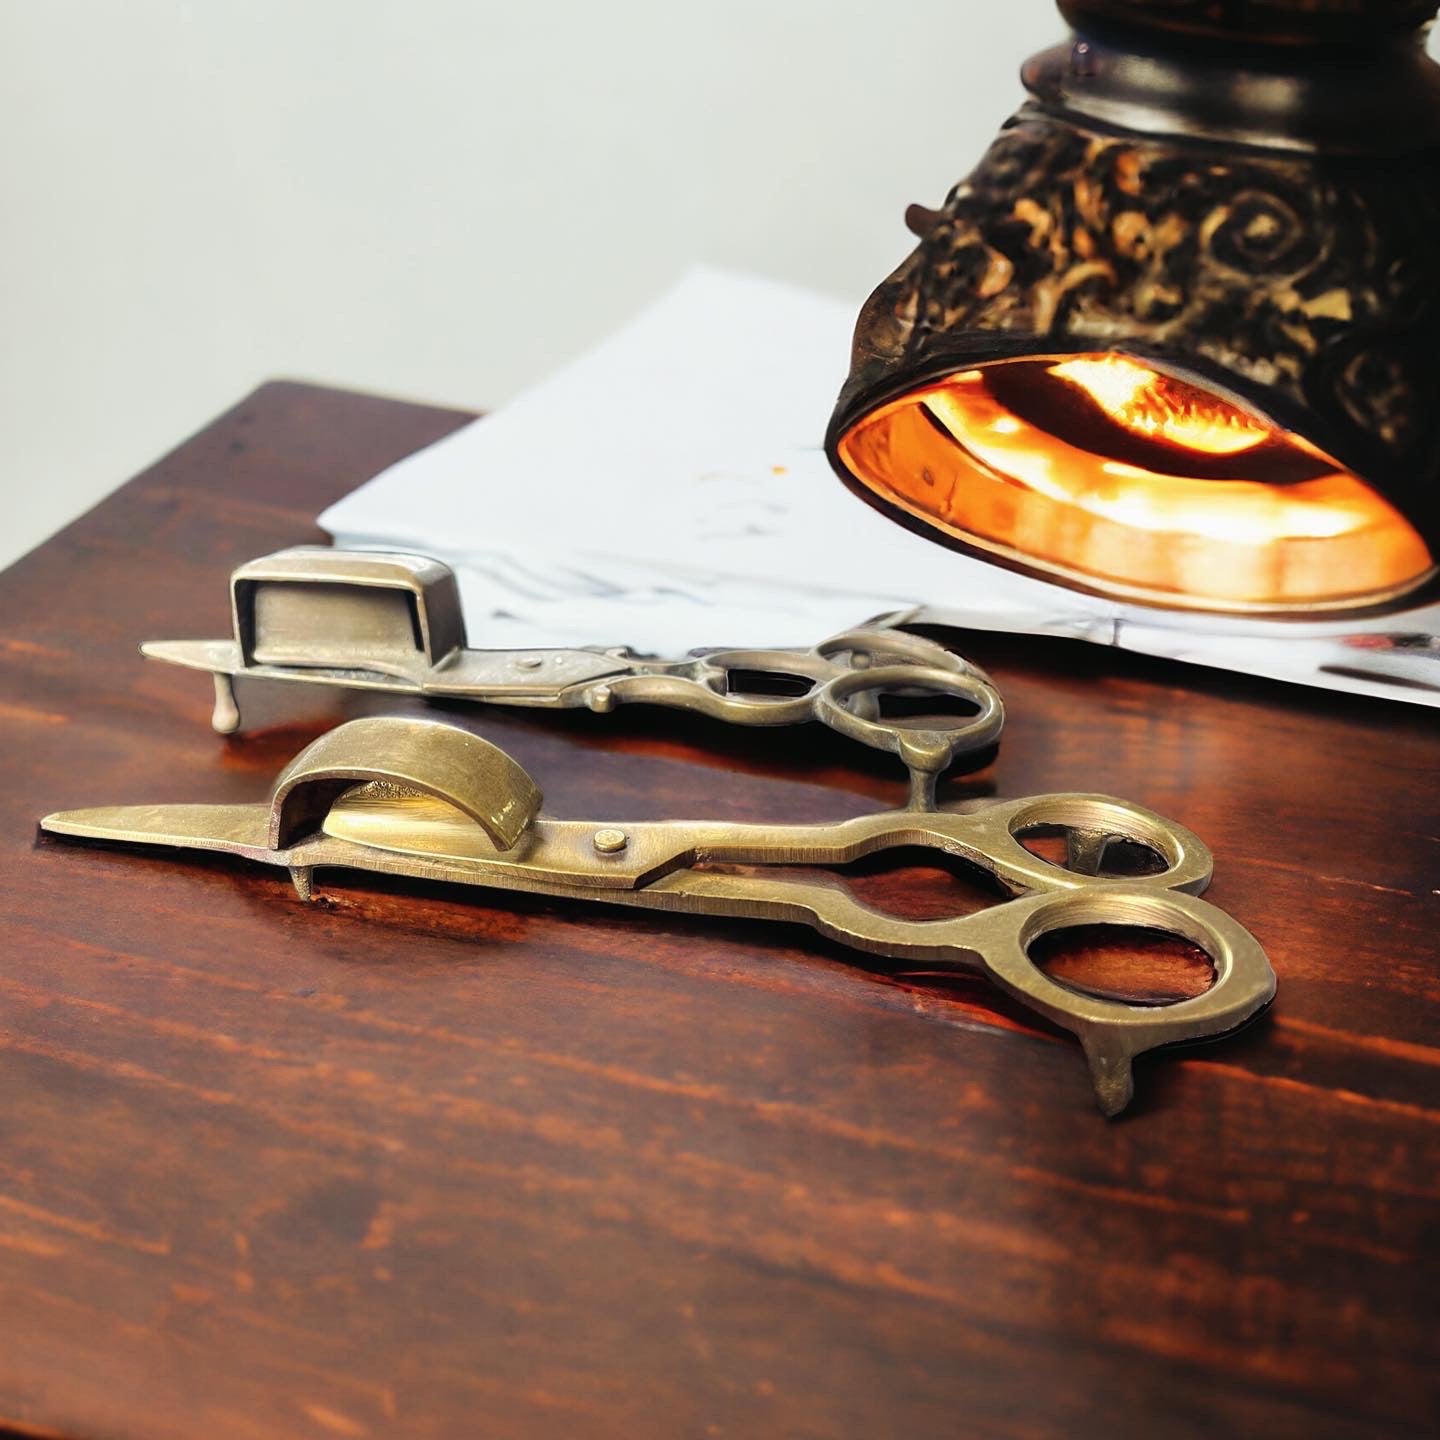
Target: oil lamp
(1176, 340)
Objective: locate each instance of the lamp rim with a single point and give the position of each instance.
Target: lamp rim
(1383, 101)
(977, 352)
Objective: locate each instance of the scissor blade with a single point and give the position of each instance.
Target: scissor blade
(235, 828)
(223, 657)
(523, 677)
(216, 656)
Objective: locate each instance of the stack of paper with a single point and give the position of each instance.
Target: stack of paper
(669, 490)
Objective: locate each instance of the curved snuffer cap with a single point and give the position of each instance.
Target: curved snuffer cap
(1177, 338)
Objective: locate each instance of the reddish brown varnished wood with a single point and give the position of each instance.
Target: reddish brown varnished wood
(404, 1163)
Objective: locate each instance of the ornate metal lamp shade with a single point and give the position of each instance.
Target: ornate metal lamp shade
(1177, 338)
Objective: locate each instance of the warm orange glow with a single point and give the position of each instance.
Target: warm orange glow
(1100, 469)
(1153, 404)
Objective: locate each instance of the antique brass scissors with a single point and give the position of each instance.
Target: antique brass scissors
(393, 623)
(422, 798)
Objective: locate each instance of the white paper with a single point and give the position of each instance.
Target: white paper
(669, 490)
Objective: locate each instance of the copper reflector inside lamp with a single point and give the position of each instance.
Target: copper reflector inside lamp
(1101, 470)
(1177, 338)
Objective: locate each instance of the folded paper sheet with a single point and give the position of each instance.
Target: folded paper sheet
(669, 490)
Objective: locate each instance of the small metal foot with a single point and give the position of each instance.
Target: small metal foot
(226, 716)
(303, 879)
(922, 790)
(1112, 1078)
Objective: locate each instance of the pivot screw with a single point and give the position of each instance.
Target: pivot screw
(529, 662)
(610, 842)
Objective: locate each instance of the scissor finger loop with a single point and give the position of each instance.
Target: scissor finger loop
(1112, 1032)
(1099, 820)
(925, 747)
(866, 648)
(788, 687)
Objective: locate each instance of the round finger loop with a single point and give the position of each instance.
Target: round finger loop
(929, 747)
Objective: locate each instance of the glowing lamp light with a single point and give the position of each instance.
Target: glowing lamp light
(1176, 339)
(1102, 471)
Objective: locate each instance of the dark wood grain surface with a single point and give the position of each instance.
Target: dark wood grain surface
(405, 1163)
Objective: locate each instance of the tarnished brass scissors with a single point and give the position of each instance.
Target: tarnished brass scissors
(426, 799)
(393, 623)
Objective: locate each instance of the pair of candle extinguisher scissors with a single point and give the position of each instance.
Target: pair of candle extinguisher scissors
(427, 799)
(393, 623)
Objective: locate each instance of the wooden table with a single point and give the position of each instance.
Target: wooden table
(402, 1163)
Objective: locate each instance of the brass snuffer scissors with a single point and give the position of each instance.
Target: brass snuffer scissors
(392, 623)
(422, 798)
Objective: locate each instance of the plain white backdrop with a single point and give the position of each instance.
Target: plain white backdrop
(437, 199)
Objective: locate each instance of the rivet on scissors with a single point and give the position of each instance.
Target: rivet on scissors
(600, 698)
(610, 842)
(529, 662)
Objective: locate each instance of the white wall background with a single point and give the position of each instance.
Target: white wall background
(438, 199)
